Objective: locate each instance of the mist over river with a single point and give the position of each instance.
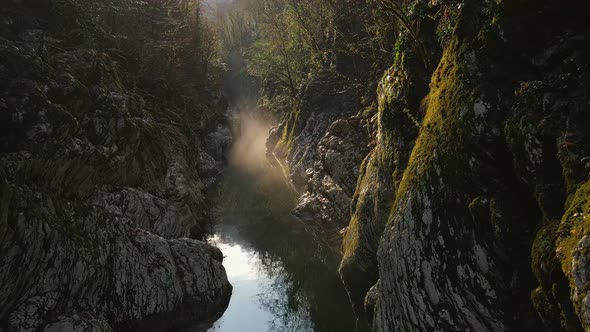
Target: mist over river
(283, 280)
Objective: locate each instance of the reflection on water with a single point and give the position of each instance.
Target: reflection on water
(283, 280)
(256, 299)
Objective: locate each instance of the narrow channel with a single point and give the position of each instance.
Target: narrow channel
(283, 279)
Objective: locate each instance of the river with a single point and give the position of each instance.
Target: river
(283, 279)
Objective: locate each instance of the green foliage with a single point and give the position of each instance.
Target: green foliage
(278, 58)
(235, 27)
(273, 46)
(153, 40)
(268, 47)
(401, 13)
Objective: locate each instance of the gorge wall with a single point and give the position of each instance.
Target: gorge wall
(458, 199)
(101, 186)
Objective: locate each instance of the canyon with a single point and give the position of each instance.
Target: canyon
(443, 186)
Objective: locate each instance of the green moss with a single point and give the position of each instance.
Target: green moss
(398, 49)
(285, 144)
(543, 259)
(352, 238)
(440, 133)
(574, 225)
(569, 165)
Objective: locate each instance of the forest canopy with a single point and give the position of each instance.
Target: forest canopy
(274, 45)
(165, 39)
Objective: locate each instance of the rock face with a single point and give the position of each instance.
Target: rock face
(99, 192)
(331, 181)
(470, 209)
(399, 111)
(483, 177)
(321, 146)
(86, 265)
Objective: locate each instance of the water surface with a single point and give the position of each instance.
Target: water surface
(283, 279)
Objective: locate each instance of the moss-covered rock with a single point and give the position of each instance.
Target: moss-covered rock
(399, 115)
(573, 250)
(457, 247)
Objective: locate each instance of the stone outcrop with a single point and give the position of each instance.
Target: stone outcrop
(78, 264)
(100, 190)
(399, 112)
(332, 179)
(320, 147)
